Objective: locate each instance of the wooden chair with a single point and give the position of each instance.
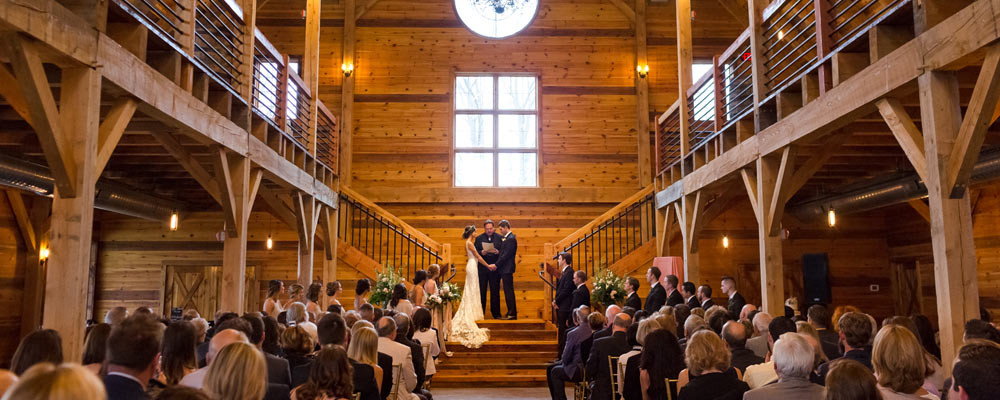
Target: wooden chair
(613, 370)
(580, 390)
(427, 359)
(670, 392)
(397, 374)
(621, 376)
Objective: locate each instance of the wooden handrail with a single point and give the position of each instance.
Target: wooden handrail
(322, 109)
(568, 240)
(666, 114)
(736, 45)
(266, 45)
(700, 82)
(413, 232)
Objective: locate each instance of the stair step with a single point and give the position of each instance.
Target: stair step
(493, 358)
(503, 378)
(472, 366)
(520, 324)
(507, 346)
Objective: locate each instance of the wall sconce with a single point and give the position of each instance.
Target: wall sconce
(348, 69)
(643, 70)
(173, 221)
(43, 254)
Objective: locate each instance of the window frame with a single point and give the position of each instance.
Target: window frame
(496, 112)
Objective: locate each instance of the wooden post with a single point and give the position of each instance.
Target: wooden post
(928, 13)
(642, 96)
(684, 60)
(689, 211)
(549, 251)
(242, 188)
(73, 217)
(347, 97)
(824, 43)
(246, 61)
(306, 217)
(310, 68)
(188, 16)
(329, 224)
(951, 219)
(756, 9)
(766, 199)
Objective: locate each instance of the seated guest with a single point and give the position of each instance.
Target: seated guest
(570, 368)
(44, 345)
(708, 367)
(934, 383)
(115, 315)
(819, 317)
(759, 343)
(401, 355)
(238, 372)
(746, 311)
(133, 349)
(632, 335)
(975, 377)
(629, 383)
(899, 365)
(681, 314)
(278, 371)
(735, 335)
(363, 353)
(382, 360)
(849, 380)
(598, 373)
(351, 317)
(926, 335)
(609, 316)
(220, 318)
(272, 332)
(978, 329)
(46, 381)
(177, 355)
(403, 333)
(367, 312)
(200, 329)
(182, 393)
(95, 348)
(716, 318)
(424, 335)
(666, 320)
(855, 330)
(658, 362)
(196, 379)
(330, 377)
(297, 344)
(761, 374)
(793, 358)
(298, 316)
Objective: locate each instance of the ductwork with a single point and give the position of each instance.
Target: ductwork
(31, 177)
(887, 192)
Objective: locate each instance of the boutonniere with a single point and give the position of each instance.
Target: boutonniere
(503, 239)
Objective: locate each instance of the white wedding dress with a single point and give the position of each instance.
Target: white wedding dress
(463, 325)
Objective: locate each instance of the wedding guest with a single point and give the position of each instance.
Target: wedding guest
(44, 345)
(849, 380)
(177, 354)
(425, 335)
(221, 339)
(46, 381)
(330, 377)
(793, 361)
(363, 352)
(182, 393)
(298, 316)
(570, 368)
(297, 344)
(133, 349)
(735, 335)
(95, 348)
(398, 302)
(597, 362)
(333, 290)
(237, 373)
(272, 306)
(659, 362)
(899, 364)
(272, 332)
(710, 376)
(115, 315)
(361, 290)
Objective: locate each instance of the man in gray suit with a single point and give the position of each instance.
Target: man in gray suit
(793, 361)
(570, 368)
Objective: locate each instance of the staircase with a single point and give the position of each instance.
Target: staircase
(515, 356)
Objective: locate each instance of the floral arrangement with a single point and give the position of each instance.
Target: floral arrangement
(450, 293)
(608, 289)
(384, 282)
(434, 301)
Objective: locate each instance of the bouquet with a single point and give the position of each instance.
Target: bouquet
(434, 301)
(608, 289)
(450, 293)
(384, 282)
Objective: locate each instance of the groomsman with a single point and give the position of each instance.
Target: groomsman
(632, 298)
(736, 300)
(657, 296)
(687, 289)
(581, 295)
(673, 296)
(705, 297)
(490, 256)
(563, 302)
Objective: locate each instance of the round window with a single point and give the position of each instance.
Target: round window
(496, 18)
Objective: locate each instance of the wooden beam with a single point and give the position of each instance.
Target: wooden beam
(750, 183)
(737, 10)
(685, 56)
(642, 96)
(112, 129)
(24, 224)
(10, 91)
(37, 94)
(234, 247)
(814, 163)
(625, 9)
(224, 181)
(978, 118)
(310, 67)
(360, 11)
(906, 133)
(921, 208)
(278, 207)
(187, 161)
(772, 279)
(775, 206)
(347, 98)
(305, 215)
(955, 274)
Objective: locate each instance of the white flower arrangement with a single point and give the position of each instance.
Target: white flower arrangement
(609, 288)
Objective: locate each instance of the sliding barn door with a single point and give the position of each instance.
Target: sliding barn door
(198, 287)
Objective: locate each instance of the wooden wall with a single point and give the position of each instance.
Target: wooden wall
(13, 263)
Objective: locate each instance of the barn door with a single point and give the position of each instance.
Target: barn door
(198, 287)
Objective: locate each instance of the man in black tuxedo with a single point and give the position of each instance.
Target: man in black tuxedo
(581, 295)
(657, 296)
(673, 296)
(687, 290)
(631, 297)
(598, 372)
(490, 256)
(504, 270)
(563, 301)
(705, 297)
(736, 301)
(133, 352)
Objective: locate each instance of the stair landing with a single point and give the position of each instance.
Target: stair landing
(516, 355)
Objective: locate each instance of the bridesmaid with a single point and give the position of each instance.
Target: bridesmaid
(418, 296)
(272, 306)
(361, 293)
(440, 316)
(296, 294)
(333, 290)
(312, 299)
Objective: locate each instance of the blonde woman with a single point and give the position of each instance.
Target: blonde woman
(239, 372)
(363, 348)
(296, 294)
(45, 381)
(899, 364)
(297, 315)
(710, 375)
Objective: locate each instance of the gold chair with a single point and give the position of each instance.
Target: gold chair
(670, 392)
(427, 359)
(621, 376)
(357, 396)
(580, 390)
(397, 374)
(613, 370)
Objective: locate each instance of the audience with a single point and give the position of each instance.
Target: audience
(297, 316)
(819, 317)
(979, 329)
(926, 334)
(272, 333)
(182, 393)
(570, 367)
(976, 374)
(761, 374)
(598, 373)
(758, 344)
(425, 335)
(95, 348)
(133, 355)
(735, 335)
(330, 376)
(46, 381)
(363, 354)
(850, 380)
(710, 376)
(225, 337)
(115, 315)
(177, 354)
(403, 334)
(238, 372)
(659, 362)
(899, 364)
(793, 361)
(401, 355)
(40, 346)
(298, 345)
(855, 336)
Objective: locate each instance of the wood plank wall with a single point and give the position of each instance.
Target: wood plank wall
(13, 262)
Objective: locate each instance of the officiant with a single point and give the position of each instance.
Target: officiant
(488, 245)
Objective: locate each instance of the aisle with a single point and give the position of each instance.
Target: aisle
(516, 356)
(538, 393)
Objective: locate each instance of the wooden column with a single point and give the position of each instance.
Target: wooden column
(246, 61)
(239, 188)
(642, 96)
(347, 96)
(310, 68)
(756, 10)
(328, 222)
(73, 216)
(928, 13)
(306, 218)
(684, 60)
(951, 219)
(766, 198)
(32, 215)
(549, 252)
(689, 213)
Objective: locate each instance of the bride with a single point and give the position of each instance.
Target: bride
(463, 325)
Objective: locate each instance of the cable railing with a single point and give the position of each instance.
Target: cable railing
(701, 111)
(326, 137)
(298, 110)
(668, 139)
(736, 82)
(166, 18)
(218, 42)
(268, 76)
(850, 18)
(789, 43)
(385, 238)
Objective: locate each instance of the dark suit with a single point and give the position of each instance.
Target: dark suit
(863, 356)
(505, 272)
(693, 303)
(633, 301)
(708, 303)
(603, 333)
(736, 304)
(277, 370)
(675, 298)
(277, 391)
(564, 300)
(364, 381)
(581, 297)
(485, 275)
(570, 366)
(300, 374)
(632, 389)
(385, 362)
(742, 358)
(598, 373)
(830, 341)
(122, 388)
(656, 299)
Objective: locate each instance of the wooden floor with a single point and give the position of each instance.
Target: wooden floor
(535, 393)
(515, 356)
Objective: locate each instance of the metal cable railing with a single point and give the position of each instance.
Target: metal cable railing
(789, 43)
(163, 16)
(701, 111)
(614, 238)
(218, 42)
(669, 141)
(326, 137)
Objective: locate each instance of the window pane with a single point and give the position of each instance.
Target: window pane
(473, 169)
(518, 169)
(517, 92)
(517, 131)
(474, 93)
(473, 131)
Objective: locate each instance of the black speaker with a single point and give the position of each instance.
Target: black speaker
(816, 278)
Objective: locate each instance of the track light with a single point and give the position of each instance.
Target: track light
(173, 221)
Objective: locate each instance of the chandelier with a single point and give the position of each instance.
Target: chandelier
(500, 6)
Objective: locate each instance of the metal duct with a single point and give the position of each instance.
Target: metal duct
(31, 177)
(887, 193)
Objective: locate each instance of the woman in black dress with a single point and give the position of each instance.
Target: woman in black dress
(708, 367)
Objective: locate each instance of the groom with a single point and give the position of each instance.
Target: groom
(504, 270)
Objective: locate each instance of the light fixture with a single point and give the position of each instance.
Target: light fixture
(173, 221)
(725, 241)
(270, 243)
(781, 35)
(500, 6)
(348, 69)
(642, 69)
(43, 253)
(831, 217)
